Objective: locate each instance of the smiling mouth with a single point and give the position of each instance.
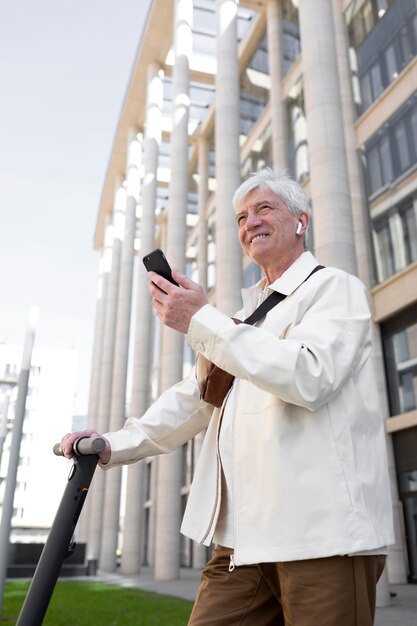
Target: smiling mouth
(257, 237)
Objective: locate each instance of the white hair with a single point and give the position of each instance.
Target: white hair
(280, 183)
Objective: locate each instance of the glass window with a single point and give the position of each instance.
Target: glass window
(405, 47)
(291, 44)
(357, 30)
(201, 94)
(400, 354)
(414, 30)
(211, 251)
(148, 480)
(413, 120)
(382, 6)
(374, 169)
(400, 135)
(204, 20)
(409, 222)
(204, 44)
(386, 162)
(371, 86)
(383, 40)
(408, 386)
(396, 143)
(259, 156)
(366, 91)
(377, 86)
(391, 63)
(404, 220)
(368, 17)
(251, 107)
(384, 252)
(244, 22)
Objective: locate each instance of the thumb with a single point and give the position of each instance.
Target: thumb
(182, 279)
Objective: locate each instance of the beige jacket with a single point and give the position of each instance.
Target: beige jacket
(310, 469)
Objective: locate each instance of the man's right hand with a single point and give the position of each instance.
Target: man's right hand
(69, 439)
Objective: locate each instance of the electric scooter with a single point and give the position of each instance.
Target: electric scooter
(59, 544)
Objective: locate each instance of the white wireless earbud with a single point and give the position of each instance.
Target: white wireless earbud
(299, 227)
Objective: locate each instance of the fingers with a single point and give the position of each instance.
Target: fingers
(105, 455)
(183, 280)
(158, 285)
(174, 305)
(69, 439)
(164, 285)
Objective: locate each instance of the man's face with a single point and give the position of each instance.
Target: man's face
(267, 230)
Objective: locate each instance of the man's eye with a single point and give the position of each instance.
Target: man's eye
(241, 219)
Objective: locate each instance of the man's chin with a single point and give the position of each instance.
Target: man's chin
(258, 251)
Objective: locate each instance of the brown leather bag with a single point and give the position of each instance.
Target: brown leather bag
(213, 382)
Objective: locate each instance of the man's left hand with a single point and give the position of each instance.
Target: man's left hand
(174, 305)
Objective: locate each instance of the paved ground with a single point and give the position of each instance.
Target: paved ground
(403, 609)
(402, 612)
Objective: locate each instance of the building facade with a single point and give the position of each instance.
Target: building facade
(220, 88)
(41, 476)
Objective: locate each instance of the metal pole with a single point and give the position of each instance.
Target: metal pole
(6, 519)
(58, 545)
(3, 425)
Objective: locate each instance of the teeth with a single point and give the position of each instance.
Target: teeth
(258, 237)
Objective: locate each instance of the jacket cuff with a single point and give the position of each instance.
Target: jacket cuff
(205, 325)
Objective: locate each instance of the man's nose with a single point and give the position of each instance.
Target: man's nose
(253, 220)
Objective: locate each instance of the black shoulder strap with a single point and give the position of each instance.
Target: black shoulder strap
(271, 301)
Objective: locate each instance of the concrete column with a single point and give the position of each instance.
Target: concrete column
(103, 412)
(333, 227)
(228, 252)
(82, 526)
(93, 400)
(168, 505)
(111, 511)
(356, 184)
(199, 551)
(299, 129)
(133, 532)
(97, 352)
(395, 566)
(278, 105)
(99, 328)
(203, 174)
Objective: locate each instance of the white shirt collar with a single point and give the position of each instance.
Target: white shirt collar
(286, 284)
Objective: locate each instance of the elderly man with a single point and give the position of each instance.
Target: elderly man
(291, 484)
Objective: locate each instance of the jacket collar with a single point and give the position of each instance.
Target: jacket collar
(295, 274)
(285, 284)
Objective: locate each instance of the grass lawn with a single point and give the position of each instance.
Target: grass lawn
(97, 604)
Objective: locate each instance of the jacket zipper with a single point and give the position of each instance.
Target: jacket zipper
(215, 508)
(218, 474)
(232, 563)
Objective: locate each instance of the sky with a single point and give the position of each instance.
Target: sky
(64, 71)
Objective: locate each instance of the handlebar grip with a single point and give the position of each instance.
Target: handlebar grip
(84, 446)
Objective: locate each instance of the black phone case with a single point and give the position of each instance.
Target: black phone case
(156, 262)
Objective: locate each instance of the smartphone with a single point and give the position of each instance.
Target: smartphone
(156, 262)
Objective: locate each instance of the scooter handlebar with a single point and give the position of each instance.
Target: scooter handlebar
(84, 446)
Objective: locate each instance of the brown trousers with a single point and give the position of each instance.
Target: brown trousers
(334, 591)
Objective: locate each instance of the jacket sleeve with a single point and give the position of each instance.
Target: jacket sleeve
(174, 418)
(308, 359)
